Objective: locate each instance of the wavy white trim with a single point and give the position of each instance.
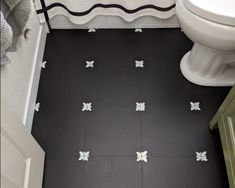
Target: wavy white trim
(80, 20)
(114, 22)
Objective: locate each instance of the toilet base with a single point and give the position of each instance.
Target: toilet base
(225, 78)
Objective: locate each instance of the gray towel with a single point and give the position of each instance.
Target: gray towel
(6, 39)
(16, 14)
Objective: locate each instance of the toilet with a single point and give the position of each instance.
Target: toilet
(210, 24)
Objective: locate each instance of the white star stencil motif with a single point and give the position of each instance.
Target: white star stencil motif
(90, 64)
(87, 106)
(43, 65)
(142, 156)
(140, 106)
(83, 156)
(138, 30)
(139, 63)
(37, 107)
(195, 106)
(91, 30)
(201, 156)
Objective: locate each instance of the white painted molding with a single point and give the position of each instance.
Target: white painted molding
(35, 78)
(100, 22)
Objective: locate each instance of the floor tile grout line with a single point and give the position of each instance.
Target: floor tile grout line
(141, 132)
(85, 135)
(141, 115)
(83, 172)
(198, 134)
(127, 156)
(199, 142)
(194, 117)
(141, 145)
(84, 147)
(111, 156)
(142, 175)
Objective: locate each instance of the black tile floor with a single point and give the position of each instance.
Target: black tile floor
(113, 131)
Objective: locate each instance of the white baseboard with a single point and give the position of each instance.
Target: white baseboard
(35, 78)
(101, 22)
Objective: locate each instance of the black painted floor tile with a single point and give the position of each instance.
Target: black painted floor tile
(167, 89)
(113, 85)
(59, 133)
(180, 172)
(214, 172)
(113, 132)
(61, 172)
(211, 99)
(161, 45)
(168, 134)
(208, 140)
(112, 172)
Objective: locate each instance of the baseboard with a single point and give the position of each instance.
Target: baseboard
(35, 78)
(149, 26)
(113, 22)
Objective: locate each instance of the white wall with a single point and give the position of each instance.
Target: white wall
(17, 77)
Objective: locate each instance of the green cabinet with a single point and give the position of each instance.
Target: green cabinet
(224, 119)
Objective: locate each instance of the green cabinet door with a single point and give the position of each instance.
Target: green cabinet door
(227, 128)
(225, 121)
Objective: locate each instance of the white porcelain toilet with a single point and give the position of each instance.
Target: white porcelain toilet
(210, 24)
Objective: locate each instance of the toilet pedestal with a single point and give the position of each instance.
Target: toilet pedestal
(208, 67)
